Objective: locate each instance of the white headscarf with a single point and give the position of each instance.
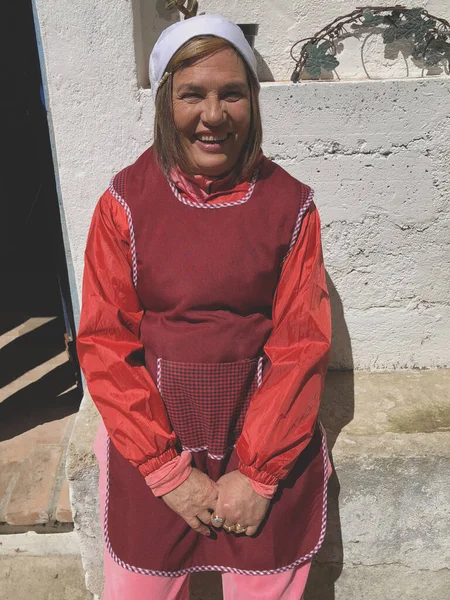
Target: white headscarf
(172, 38)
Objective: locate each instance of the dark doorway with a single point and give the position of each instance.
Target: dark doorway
(39, 384)
(32, 253)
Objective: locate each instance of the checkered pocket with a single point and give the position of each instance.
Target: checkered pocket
(207, 403)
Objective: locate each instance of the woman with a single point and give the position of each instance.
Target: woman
(204, 340)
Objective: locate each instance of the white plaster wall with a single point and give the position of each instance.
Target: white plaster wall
(376, 153)
(284, 22)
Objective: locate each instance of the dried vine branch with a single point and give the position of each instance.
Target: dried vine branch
(430, 37)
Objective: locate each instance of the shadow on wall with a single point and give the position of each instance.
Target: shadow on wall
(337, 410)
(264, 73)
(150, 18)
(378, 60)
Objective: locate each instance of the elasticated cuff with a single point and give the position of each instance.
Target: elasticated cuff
(258, 476)
(171, 475)
(155, 463)
(263, 489)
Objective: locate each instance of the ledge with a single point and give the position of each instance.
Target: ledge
(267, 85)
(389, 434)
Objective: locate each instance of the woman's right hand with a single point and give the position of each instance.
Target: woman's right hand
(193, 500)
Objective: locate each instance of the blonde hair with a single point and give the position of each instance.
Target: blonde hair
(170, 151)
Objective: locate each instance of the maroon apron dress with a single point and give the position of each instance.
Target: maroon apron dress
(206, 276)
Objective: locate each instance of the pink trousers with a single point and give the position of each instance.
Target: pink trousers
(121, 584)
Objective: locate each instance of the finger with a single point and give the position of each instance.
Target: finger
(204, 516)
(197, 526)
(221, 512)
(252, 530)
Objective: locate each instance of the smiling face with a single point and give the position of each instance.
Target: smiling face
(212, 111)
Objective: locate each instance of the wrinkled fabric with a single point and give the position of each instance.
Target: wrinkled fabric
(282, 413)
(109, 349)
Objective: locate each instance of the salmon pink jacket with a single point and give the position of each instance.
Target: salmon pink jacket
(283, 411)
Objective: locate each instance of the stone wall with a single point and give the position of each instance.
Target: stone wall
(375, 152)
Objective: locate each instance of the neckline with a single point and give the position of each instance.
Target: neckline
(194, 204)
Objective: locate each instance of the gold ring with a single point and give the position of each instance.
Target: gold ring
(229, 528)
(239, 528)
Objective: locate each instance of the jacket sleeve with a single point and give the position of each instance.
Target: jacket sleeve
(282, 413)
(109, 350)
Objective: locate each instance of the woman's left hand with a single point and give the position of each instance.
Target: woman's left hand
(239, 503)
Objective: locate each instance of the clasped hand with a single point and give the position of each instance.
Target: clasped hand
(232, 498)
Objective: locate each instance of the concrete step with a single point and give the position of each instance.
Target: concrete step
(389, 511)
(38, 402)
(389, 502)
(41, 567)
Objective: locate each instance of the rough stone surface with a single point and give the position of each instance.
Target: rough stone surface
(63, 509)
(31, 497)
(23, 487)
(42, 578)
(377, 156)
(375, 152)
(8, 478)
(378, 582)
(374, 404)
(393, 511)
(41, 567)
(389, 509)
(82, 474)
(39, 544)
